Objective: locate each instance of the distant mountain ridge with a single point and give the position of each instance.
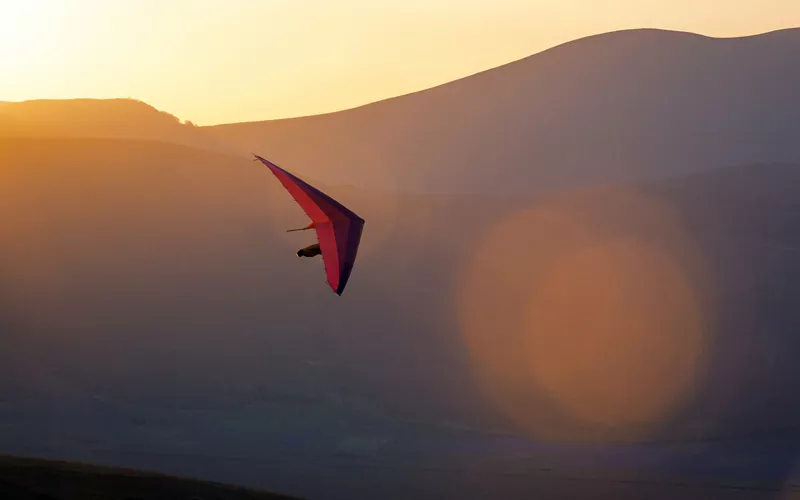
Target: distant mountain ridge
(102, 118)
(609, 108)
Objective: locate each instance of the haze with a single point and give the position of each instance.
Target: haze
(219, 62)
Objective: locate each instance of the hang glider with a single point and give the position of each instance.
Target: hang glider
(338, 228)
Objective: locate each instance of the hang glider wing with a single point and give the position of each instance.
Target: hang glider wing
(338, 228)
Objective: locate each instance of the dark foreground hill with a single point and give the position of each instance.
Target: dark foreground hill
(34, 479)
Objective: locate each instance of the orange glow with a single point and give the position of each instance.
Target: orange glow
(579, 330)
(615, 332)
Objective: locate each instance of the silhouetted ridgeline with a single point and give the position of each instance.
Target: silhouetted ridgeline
(31, 479)
(618, 107)
(101, 118)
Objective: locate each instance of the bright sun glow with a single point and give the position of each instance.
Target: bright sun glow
(30, 32)
(21, 30)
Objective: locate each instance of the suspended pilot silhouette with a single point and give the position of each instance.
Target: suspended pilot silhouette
(310, 251)
(338, 228)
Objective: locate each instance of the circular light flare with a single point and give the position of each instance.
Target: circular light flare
(615, 332)
(578, 328)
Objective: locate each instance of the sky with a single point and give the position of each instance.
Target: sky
(222, 61)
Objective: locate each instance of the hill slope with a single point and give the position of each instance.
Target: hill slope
(609, 108)
(32, 479)
(101, 118)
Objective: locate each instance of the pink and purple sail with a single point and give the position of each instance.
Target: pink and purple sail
(338, 228)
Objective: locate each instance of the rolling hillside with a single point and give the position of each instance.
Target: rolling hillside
(617, 107)
(101, 118)
(31, 479)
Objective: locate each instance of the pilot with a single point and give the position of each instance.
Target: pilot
(310, 251)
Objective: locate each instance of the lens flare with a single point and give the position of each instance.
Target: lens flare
(586, 321)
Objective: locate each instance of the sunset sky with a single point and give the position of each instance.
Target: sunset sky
(219, 61)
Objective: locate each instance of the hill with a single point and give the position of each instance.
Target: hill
(618, 107)
(33, 479)
(101, 118)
